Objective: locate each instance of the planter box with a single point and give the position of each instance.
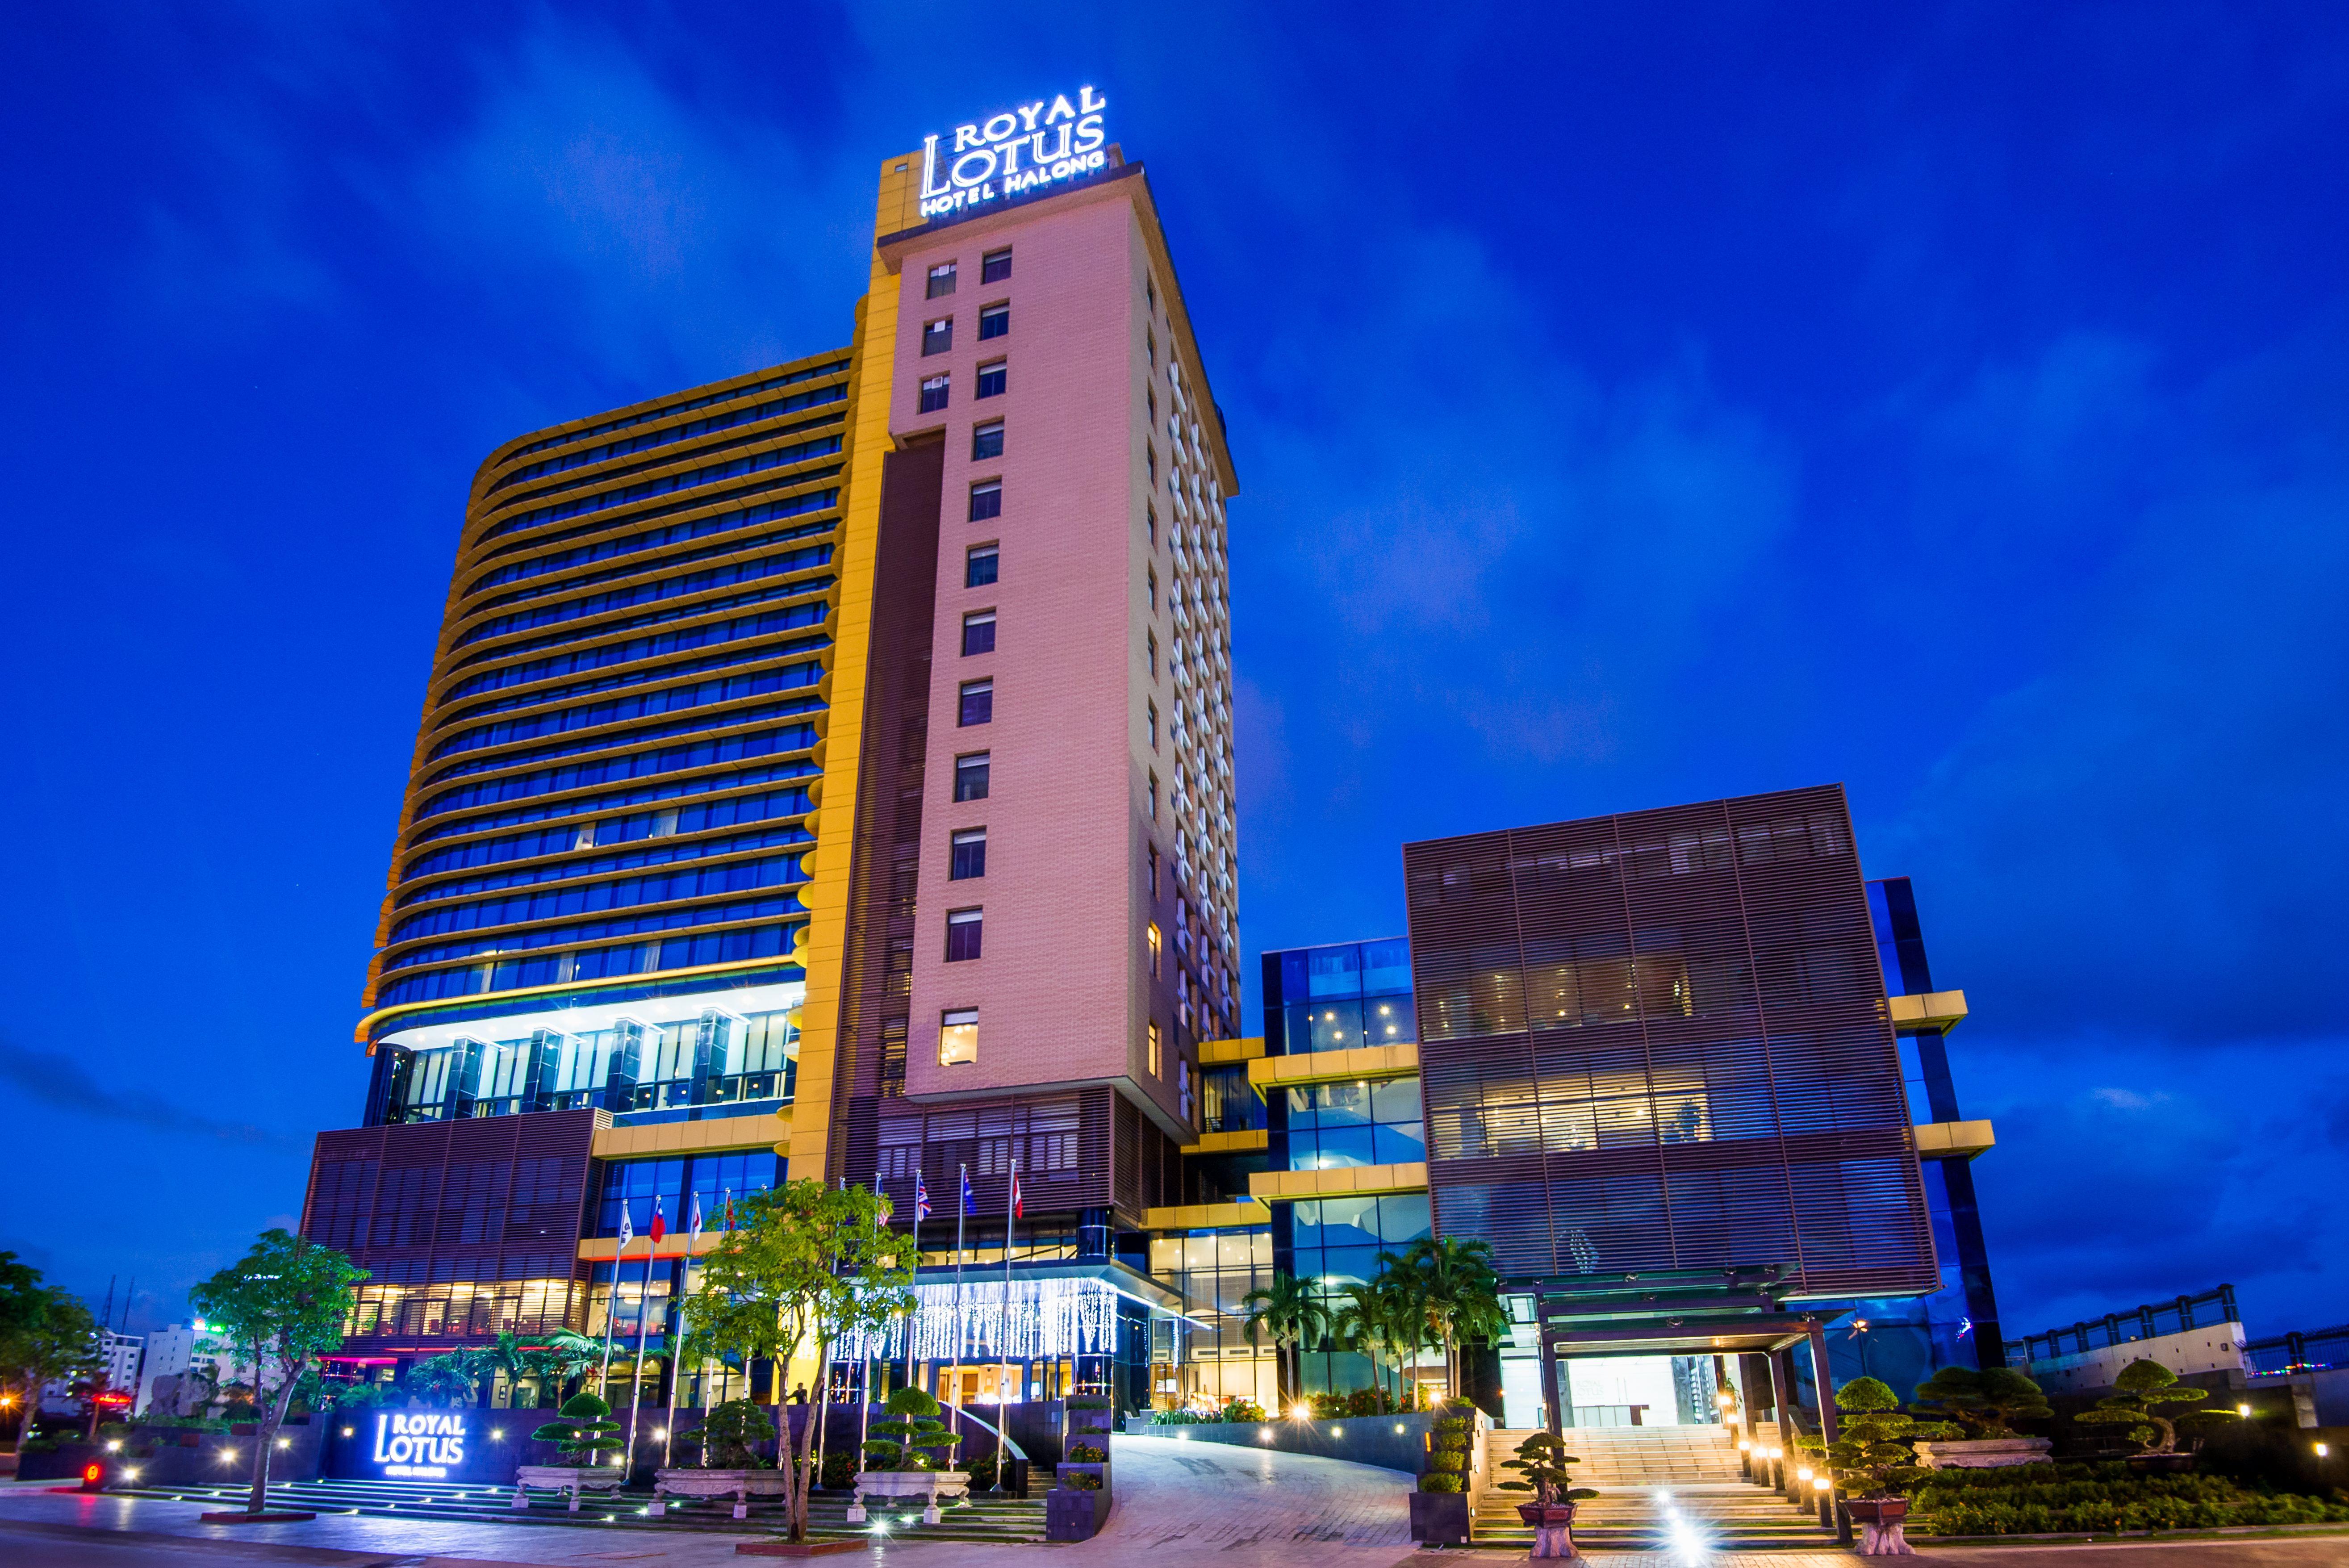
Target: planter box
(1986, 1453)
(740, 1485)
(927, 1485)
(1440, 1518)
(569, 1480)
(2160, 1464)
(1074, 1515)
(1098, 1469)
(1881, 1522)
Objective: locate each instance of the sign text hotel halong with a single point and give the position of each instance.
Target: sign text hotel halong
(1039, 144)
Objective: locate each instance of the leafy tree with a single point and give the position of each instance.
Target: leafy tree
(1871, 1451)
(281, 1307)
(1988, 1402)
(1542, 1461)
(559, 1363)
(47, 1335)
(582, 1432)
(906, 1443)
(804, 1264)
(1291, 1311)
(444, 1380)
(726, 1436)
(2140, 1391)
(1456, 1287)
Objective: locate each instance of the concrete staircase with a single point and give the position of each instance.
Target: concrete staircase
(1010, 1522)
(1659, 1488)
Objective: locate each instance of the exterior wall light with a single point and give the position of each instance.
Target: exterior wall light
(2243, 1410)
(1337, 1431)
(2321, 1451)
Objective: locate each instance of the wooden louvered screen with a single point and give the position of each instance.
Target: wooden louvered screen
(1659, 1041)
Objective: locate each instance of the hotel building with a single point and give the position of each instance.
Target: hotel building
(827, 772)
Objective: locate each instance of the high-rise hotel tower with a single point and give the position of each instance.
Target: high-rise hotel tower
(827, 772)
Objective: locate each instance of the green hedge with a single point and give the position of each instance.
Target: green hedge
(2044, 1499)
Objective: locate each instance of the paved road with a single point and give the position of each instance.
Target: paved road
(1186, 1505)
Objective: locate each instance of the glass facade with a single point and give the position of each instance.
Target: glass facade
(1340, 998)
(1357, 1122)
(1205, 1355)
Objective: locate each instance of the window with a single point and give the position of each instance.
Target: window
(979, 566)
(991, 378)
(986, 500)
(959, 1037)
(986, 440)
(978, 632)
(995, 266)
(1152, 707)
(1154, 1068)
(969, 857)
(1150, 640)
(1150, 456)
(1156, 939)
(1153, 879)
(1150, 293)
(1149, 511)
(934, 394)
(942, 280)
(971, 776)
(963, 928)
(994, 322)
(1154, 796)
(978, 703)
(1152, 398)
(938, 337)
(1151, 573)
(1151, 339)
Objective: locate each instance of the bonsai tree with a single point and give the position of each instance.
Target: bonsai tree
(906, 1443)
(1290, 1312)
(1541, 1463)
(2141, 1389)
(281, 1307)
(582, 1434)
(1988, 1402)
(1871, 1457)
(804, 1264)
(726, 1434)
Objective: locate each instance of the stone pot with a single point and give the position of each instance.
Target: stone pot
(2160, 1464)
(930, 1485)
(570, 1479)
(1881, 1522)
(742, 1485)
(1984, 1453)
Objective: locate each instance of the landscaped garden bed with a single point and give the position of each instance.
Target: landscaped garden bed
(2101, 1499)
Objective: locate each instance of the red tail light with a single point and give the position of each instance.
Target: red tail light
(91, 1474)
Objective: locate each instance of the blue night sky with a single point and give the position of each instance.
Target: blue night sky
(1632, 405)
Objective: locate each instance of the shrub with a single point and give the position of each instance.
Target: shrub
(1080, 1481)
(1440, 1481)
(839, 1470)
(2107, 1496)
(1087, 1454)
(982, 1471)
(581, 1433)
(726, 1436)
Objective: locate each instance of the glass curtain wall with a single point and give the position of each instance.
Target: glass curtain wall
(1207, 1360)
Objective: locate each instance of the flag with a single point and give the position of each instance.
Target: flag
(968, 1206)
(660, 1226)
(1017, 1212)
(921, 1196)
(628, 1231)
(693, 1220)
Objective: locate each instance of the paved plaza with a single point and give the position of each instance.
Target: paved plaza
(1180, 1505)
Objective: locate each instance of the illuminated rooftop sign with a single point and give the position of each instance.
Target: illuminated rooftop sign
(1010, 154)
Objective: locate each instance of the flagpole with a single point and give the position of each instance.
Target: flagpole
(611, 1299)
(644, 1324)
(962, 1208)
(915, 1316)
(677, 1351)
(1003, 1372)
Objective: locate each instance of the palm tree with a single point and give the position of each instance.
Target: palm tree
(564, 1355)
(1458, 1292)
(1376, 1318)
(1292, 1312)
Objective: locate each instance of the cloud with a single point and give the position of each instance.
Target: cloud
(63, 1083)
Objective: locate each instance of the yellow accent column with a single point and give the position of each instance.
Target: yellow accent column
(810, 1118)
